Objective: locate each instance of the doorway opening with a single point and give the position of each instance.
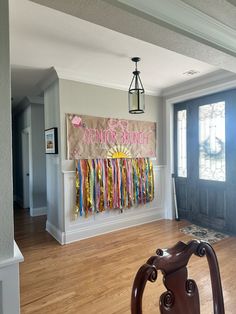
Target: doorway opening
(25, 135)
(29, 163)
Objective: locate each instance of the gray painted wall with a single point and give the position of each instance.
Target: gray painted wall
(53, 162)
(81, 98)
(65, 96)
(6, 191)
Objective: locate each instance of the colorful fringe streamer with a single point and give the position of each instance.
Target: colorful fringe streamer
(112, 183)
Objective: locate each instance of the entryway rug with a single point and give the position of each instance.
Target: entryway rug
(205, 234)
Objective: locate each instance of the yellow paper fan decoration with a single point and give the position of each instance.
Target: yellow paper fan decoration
(119, 151)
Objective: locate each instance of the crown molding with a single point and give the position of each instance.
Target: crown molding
(56, 73)
(223, 78)
(25, 102)
(182, 16)
(233, 2)
(37, 100)
(45, 82)
(21, 106)
(72, 76)
(206, 83)
(220, 80)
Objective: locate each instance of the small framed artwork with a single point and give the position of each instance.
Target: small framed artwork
(51, 141)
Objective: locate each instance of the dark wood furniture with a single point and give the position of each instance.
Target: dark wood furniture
(182, 295)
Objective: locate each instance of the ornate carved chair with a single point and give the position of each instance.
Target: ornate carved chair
(182, 295)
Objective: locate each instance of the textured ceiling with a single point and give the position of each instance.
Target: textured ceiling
(125, 19)
(87, 51)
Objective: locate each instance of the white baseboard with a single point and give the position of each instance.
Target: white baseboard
(39, 211)
(108, 221)
(102, 228)
(121, 222)
(55, 232)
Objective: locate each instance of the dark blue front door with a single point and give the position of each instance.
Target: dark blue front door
(205, 160)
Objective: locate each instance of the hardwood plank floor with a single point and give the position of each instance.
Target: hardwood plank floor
(96, 275)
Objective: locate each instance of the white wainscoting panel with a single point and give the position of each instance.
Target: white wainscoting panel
(107, 221)
(9, 283)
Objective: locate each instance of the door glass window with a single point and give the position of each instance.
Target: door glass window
(212, 141)
(181, 143)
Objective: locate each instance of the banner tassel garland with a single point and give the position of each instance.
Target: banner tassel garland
(103, 184)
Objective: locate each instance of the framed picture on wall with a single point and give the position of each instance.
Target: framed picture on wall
(51, 141)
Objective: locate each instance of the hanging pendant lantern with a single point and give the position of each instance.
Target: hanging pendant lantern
(136, 92)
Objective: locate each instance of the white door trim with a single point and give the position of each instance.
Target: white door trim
(169, 104)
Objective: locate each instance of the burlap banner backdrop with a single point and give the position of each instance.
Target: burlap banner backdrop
(91, 137)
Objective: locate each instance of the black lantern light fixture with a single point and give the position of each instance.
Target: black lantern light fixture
(136, 91)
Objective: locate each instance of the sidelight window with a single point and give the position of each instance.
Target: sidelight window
(182, 143)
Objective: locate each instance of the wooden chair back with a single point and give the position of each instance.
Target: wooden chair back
(182, 295)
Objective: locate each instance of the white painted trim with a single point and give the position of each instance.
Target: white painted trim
(39, 211)
(21, 106)
(45, 82)
(218, 80)
(55, 232)
(168, 197)
(226, 82)
(59, 73)
(24, 102)
(69, 75)
(68, 171)
(27, 101)
(217, 77)
(35, 100)
(108, 221)
(16, 259)
(232, 2)
(189, 19)
(121, 222)
(9, 281)
(105, 227)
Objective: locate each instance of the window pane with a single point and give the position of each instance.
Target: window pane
(181, 143)
(212, 141)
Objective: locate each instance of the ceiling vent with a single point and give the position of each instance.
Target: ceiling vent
(191, 72)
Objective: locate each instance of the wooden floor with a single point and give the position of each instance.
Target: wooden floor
(96, 275)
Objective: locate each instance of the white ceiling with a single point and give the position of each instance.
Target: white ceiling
(41, 38)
